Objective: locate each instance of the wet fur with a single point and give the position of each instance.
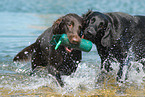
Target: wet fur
(42, 53)
(114, 35)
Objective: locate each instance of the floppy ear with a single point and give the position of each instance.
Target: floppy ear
(56, 26)
(106, 40)
(85, 16)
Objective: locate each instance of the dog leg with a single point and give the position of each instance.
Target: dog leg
(122, 74)
(105, 64)
(52, 70)
(124, 67)
(35, 61)
(105, 68)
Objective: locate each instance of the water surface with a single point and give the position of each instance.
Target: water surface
(22, 21)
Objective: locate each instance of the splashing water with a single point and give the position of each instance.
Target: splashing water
(81, 82)
(23, 21)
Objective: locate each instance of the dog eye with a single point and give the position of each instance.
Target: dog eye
(70, 24)
(101, 25)
(93, 20)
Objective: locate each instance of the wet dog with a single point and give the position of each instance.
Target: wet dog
(64, 60)
(116, 35)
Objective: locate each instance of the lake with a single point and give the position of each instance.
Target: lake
(22, 21)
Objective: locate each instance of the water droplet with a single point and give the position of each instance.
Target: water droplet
(34, 50)
(2, 77)
(46, 48)
(126, 29)
(77, 61)
(25, 52)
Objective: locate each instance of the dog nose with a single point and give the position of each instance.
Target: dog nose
(75, 40)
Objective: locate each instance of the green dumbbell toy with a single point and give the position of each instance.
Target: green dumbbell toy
(62, 39)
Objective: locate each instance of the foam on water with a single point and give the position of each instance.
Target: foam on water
(136, 73)
(23, 21)
(84, 79)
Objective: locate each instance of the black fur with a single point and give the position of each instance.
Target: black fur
(114, 35)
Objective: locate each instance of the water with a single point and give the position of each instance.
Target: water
(22, 21)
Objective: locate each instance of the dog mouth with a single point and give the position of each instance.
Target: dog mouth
(68, 49)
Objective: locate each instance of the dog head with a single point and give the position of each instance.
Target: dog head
(71, 25)
(97, 28)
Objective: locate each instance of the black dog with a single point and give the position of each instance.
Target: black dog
(62, 61)
(116, 35)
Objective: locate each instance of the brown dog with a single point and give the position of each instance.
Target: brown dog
(62, 61)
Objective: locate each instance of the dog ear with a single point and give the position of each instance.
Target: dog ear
(56, 26)
(106, 41)
(87, 14)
